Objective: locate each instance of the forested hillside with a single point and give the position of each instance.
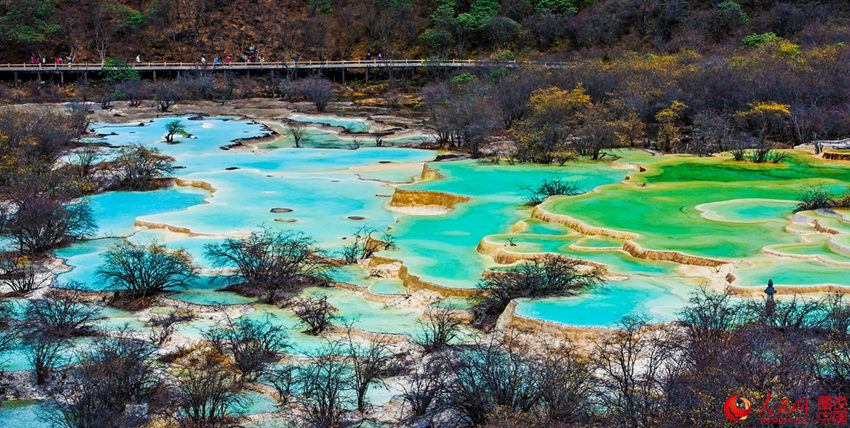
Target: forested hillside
(91, 30)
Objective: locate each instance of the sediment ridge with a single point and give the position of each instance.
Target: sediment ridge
(839, 248)
(637, 251)
(511, 321)
(579, 226)
(424, 202)
(176, 229)
(429, 173)
(504, 256)
(769, 250)
(194, 183)
(837, 156)
(788, 290)
(414, 283)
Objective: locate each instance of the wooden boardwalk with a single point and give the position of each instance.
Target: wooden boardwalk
(287, 65)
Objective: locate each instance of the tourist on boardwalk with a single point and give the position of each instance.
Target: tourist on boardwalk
(369, 56)
(295, 59)
(215, 60)
(203, 60)
(68, 60)
(227, 60)
(138, 59)
(379, 57)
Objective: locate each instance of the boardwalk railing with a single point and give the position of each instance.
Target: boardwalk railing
(280, 65)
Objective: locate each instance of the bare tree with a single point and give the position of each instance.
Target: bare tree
(270, 262)
(317, 90)
(425, 389)
(369, 363)
(298, 133)
(167, 94)
(9, 333)
(324, 383)
(134, 91)
(21, 274)
(139, 167)
(316, 313)
(494, 375)
(85, 158)
(104, 26)
(363, 245)
(283, 379)
(41, 221)
(106, 379)
(567, 384)
(252, 345)
(438, 330)
(62, 312)
(207, 389)
(632, 366)
(550, 187)
(43, 351)
(144, 270)
(541, 277)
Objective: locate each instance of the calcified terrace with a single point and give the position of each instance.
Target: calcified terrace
(661, 226)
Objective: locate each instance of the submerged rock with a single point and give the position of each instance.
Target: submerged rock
(281, 210)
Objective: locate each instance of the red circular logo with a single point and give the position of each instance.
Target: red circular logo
(735, 413)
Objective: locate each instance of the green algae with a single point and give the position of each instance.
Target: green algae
(748, 210)
(441, 249)
(722, 169)
(665, 217)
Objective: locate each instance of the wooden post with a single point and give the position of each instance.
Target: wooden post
(343, 75)
(154, 76)
(61, 78)
(16, 79)
(367, 76)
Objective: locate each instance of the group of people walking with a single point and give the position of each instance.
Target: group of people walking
(59, 61)
(216, 60)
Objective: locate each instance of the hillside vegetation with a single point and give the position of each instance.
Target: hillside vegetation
(91, 30)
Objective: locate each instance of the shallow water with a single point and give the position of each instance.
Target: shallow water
(23, 413)
(706, 207)
(658, 298)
